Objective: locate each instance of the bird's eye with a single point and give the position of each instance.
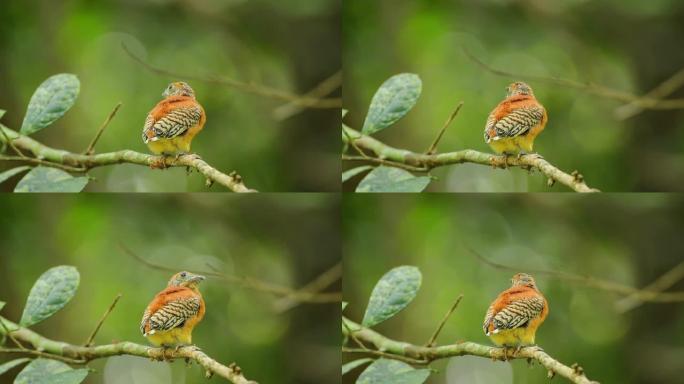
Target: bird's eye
(182, 274)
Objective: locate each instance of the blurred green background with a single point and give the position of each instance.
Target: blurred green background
(288, 240)
(630, 46)
(291, 46)
(628, 239)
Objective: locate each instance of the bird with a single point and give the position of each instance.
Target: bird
(514, 124)
(514, 316)
(172, 124)
(170, 317)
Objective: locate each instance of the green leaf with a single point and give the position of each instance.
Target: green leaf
(391, 179)
(344, 112)
(46, 179)
(53, 290)
(344, 305)
(12, 363)
(45, 371)
(2, 113)
(349, 173)
(2, 305)
(53, 98)
(384, 371)
(392, 101)
(12, 172)
(393, 292)
(354, 364)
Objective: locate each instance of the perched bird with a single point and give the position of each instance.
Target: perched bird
(513, 318)
(173, 313)
(173, 122)
(514, 123)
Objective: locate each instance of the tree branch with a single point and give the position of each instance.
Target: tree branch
(426, 162)
(402, 350)
(76, 354)
(89, 342)
(257, 89)
(91, 147)
(76, 162)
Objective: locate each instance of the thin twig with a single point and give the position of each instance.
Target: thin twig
(89, 342)
(665, 281)
(433, 147)
(11, 144)
(376, 160)
(52, 356)
(596, 89)
(9, 334)
(373, 352)
(661, 91)
(256, 89)
(252, 283)
(324, 88)
(640, 294)
(32, 160)
(91, 146)
(431, 341)
(321, 282)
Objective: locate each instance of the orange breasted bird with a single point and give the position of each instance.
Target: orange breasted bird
(513, 318)
(173, 122)
(173, 313)
(514, 124)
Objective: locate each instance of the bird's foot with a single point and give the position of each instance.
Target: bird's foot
(159, 163)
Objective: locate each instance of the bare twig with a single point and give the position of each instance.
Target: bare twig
(321, 282)
(89, 342)
(256, 284)
(665, 281)
(431, 341)
(257, 89)
(640, 294)
(663, 90)
(91, 146)
(32, 352)
(374, 352)
(323, 89)
(378, 161)
(433, 147)
(596, 89)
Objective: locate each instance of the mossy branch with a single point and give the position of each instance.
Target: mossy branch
(392, 349)
(81, 163)
(75, 354)
(422, 162)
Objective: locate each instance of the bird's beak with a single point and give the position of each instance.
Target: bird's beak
(197, 278)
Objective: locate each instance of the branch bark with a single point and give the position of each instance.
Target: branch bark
(82, 355)
(401, 351)
(426, 162)
(77, 162)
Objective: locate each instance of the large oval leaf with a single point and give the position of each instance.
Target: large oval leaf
(46, 179)
(12, 363)
(392, 101)
(391, 179)
(349, 173)
(53, 290)
(53, 98)
(385, 371)
(391, 294)
(46, 371)
(354, 364)
(13, 171)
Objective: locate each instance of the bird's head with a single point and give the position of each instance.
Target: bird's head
(185, 279)
(523, 280)
(519, 88)
(178, 88)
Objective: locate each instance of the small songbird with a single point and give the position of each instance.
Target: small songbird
(173, 122)
(513, 318)
(173, 313)
(513, 125)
